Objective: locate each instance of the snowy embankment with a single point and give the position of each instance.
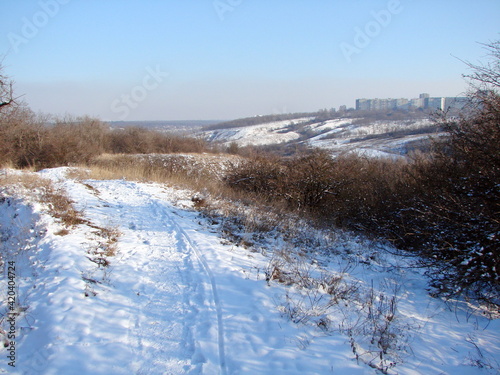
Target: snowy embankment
(176, 298)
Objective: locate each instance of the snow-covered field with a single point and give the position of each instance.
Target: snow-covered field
(179, 298)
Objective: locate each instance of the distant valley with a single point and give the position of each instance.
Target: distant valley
(373, 134)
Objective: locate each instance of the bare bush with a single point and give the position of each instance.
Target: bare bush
(30, 140)
(136, 140)
(38, 141)
(310, 179)
(22, 135)
(455, 207)
(349, 190)
(259, 174)
(72, 141)
(454, 210)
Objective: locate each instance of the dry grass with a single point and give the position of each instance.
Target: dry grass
(198, 172)
(106, 239)
(59, 206)
(42, 190)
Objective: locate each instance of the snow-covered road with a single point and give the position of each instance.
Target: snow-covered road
(177, 299)
(173, 317)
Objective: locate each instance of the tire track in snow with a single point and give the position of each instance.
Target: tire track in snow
(153, 271)
(213, 285)
(148, 222)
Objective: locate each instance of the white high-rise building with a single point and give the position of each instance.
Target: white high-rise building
(424, 101)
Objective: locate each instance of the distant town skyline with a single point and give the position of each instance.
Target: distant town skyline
(221, 59)
(424, 101)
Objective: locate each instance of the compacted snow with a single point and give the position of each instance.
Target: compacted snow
(176, 298)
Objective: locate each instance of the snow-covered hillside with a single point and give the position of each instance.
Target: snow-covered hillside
(374, 138)
(258, 135)
(385, 138)
(174, 296)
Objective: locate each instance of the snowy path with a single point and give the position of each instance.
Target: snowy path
(217, 303)
(177, 327)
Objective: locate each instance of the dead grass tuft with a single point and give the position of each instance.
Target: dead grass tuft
(62, 232)
(42, 190)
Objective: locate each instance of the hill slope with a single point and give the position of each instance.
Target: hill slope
(363, 134)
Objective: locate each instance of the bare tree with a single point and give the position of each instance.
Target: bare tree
(6, 90)
(487, 74)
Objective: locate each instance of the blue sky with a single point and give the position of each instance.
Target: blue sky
(223, 59)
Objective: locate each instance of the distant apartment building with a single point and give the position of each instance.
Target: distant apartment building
(424, 101)
(434, 103)
(458, 102)
(363, 104)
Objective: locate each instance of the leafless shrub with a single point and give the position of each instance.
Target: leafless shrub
(28, 141)
(136, 140)
(455, 205)
(376, 334)
(22, 135)
(6, 90)
(72, 141)
(40, 141)
(349, 190)
(317, 290)
(259, 175)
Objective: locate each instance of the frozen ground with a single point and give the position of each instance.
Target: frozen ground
(177, 298)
